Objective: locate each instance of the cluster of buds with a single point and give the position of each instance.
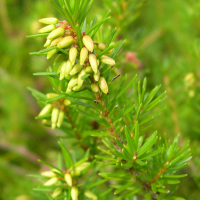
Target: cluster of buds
(56, 110)
(67, 178)
(80, 62)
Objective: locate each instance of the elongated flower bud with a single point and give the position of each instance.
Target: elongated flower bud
(68, 179)
(77, 68)
(60, 119)
(103, 85)
(73, 54)
(88, 70)
(62, 72)
(56, 33)
(49, 20)
(90, 195)
(53, 125)
(48, 174)
(54, 115)
(74, 193)
(88, 42)
(56, 41)
(55, 171)
(51, 53)
(51, 95)
(93, 62)
(65, 42)
(78, 88)
(94, 88)
(52, 181)
(107, 60)
(46, 110)
(68, 90)
(68, 68)
(97, 76)
(48, 42)
(75, 173)
(82, 166)
(67, 102)
(83, 55)
(61, 66)
(47, 29)
(80, 75)
(101, 46)
(57, 192)
(73, 82)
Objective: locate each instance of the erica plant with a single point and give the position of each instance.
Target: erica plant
(103, 121)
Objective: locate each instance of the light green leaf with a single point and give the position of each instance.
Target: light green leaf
(124, 187)
(148, 144)
(68, 160)
(129, 140)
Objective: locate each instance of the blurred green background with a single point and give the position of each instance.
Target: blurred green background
(163, 44)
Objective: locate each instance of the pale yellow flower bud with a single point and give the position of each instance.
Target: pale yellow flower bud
(82, 166)
(66, 42)
(47, 29)
(48, 174)
(73, 82)
(67, 102)
(97, 76)
(94, 88)
(60, 119)
(189, 79)
(93, 62)
(52, 181)
(77, 68)
(46, 110)
(56, 41)
(61, 66)
(68, 179)
(103, 85)
(57, 192)
(62, 71)
(80, 75)
(51, 95)
(51, 53)
(53, 125)
(49, 20)
(56, 33)
(107, 60)
(88, 70)
(88, 42)
(68, 90)
(73, 54)
(83, 55)
(48, 42)
(68, 68)
(101, 46)
(74, 193)
(78, 88)
(90, 195)
(75, 173)
(54, 115)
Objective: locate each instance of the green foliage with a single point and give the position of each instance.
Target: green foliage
(115, 133)
(133, 159)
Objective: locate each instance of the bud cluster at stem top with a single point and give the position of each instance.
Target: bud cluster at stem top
(78, 66)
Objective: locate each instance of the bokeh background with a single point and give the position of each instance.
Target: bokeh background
(163, 44)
